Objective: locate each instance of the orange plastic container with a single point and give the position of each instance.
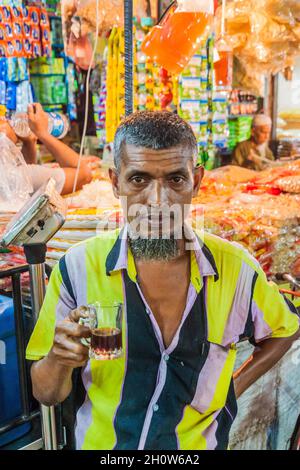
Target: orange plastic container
(223, 66)
(176, 38)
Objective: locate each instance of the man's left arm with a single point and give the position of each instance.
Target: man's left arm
(265, 356)
(274, 326)
(29, 149)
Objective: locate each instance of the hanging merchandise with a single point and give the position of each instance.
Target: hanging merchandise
(264, 34)
(173, 41)
(223, 61)
(24, 32)
(201, 107)
(54, 78)
(79, 20)
(99, 100)
(15, 88)
(155, 87)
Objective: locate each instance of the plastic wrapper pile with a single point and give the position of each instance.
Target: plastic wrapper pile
(80, 225)
(259, 210)
(91, 210)
(15, 184)
(264, 34)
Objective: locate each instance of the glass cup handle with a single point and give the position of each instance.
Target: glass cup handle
(85, 322)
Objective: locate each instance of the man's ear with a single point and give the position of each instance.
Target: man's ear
(114, 178)
(198, 175)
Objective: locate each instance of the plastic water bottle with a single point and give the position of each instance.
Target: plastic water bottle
(58, 125)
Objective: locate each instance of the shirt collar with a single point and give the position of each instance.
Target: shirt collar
(202, 260)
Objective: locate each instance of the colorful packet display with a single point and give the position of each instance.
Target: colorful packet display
(24, 32)
(24, 96)
(194, 98)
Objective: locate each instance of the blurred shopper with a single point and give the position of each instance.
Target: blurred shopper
(255, 153)
(67, 158)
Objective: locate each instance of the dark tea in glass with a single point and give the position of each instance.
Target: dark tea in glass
(105, 322)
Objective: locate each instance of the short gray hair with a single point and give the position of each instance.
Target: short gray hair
(157, 130)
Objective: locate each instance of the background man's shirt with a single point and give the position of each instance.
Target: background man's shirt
(242, 152)
(180, 397)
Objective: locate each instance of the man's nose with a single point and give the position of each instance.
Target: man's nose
(157, 194)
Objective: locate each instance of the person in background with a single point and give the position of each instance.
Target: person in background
(64, 155)
(255, 153)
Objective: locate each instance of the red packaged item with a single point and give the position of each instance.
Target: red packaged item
(10, 50)
(5, 13)
(27, 47)
(46, 40)
(3, 49)
(18, 29)
(46, 35)
(36, 49)
(25, 12)
(35, 33)
(9, 33)
(18, 47)
(46, 48)
(16, 13)
(26, 30)
(34, 15)
(44, 18)
(2, 32)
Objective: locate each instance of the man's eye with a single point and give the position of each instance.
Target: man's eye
(177, 179)
(138, 179)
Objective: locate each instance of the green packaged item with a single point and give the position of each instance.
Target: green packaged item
(190, 88)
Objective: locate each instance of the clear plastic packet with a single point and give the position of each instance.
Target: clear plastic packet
(15, 184)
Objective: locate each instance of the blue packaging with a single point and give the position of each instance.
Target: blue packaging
(23, 70)
(9, 376)
(12, 69)
(3, 68)
(11, 96)
(2, 92)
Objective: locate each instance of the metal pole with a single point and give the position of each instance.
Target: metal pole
(20, 340)
(37, 288)
(128, 36)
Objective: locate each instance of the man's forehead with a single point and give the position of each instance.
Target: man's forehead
(134, 154)
(265, 128)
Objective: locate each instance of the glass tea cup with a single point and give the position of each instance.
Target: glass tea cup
(105, 322)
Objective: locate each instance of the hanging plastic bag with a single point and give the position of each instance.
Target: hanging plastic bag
(174, 40)
(15, 184)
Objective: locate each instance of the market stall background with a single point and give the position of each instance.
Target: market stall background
(259, 210)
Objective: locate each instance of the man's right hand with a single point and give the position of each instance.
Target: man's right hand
(38, 120)
(67, 350)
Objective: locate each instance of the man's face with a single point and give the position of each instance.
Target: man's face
(150, 182)
(261, 134)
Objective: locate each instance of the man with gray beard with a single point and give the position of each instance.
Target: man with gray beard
(189, 299)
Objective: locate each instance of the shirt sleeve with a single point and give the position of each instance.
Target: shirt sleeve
(270, 154)
(57, 305)
(237, 156)
(40, 175)
(272, 315)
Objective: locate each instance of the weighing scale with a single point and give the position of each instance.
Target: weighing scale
(32, 227)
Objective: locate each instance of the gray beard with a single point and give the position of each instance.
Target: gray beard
(158, 249)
